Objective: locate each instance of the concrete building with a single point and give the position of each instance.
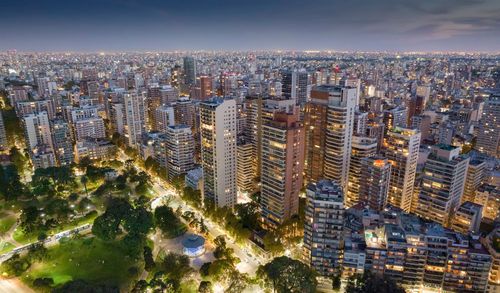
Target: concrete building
(362, 147)
(490, 242)
(295, 85)
(3, 134)
(135, 117)
(63, 144)
(374, 183)
(189, 70)
(163, 117)
(488, 137)
(218, 151)
(488, 196)
(245, 176)
(323, 228)
(90, 128)
(282, 167)
(395, 117)
(194, 179)
(180, 150)
(443, 184)
(328, 122)
(401, 147)
(37, 130)
(476, 174)
(467, 218)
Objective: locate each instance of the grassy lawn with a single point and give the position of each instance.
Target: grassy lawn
(6, 221)
(24, 238)
(5, 247)
(89, 259)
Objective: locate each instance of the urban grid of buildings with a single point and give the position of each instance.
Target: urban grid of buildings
(395, 156)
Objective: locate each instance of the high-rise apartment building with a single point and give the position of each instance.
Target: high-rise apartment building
(135, 117)
(328, 122)
(90, 128)
(37, 130)
(63, 146)
(245, 176)
(362, 147)
(442, 184)
(282, 167)
(163, 117)
(467, 218)
(189, 71)
(218, 151)
(401, 148)
(374, 183)
(476, 174)
(488, 137)
(395, 117)
(180, 150)
(323, 228)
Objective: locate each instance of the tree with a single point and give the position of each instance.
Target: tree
(149, 262)
(367, 282)
(284, 274)
(106, 226)
(139, 221)
(16, 265)
(168, 222)
(273, 243)
(176, 266)
(205, 287)
(85, 287)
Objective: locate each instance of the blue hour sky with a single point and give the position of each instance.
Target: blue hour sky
(366, 25)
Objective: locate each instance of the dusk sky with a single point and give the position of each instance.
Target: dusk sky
(120, 25)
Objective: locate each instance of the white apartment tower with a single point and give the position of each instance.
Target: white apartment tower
(218, 151)
(134, 117)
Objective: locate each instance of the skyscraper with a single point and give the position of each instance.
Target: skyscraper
(328, 122)
(295, 85)
(282, 167)
(245, 176)
(374, 182)
(189, 71)
(323, 228)
(395, 117)
(401, 147)
(180, 150)
(442, 184)
(218, 151)
(362, 147)
(134, 117)
(488, 137)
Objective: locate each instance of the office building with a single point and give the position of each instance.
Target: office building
(295, 85)
(189, 71)
(218, 151)
(401, 148)
(282, 167)
(323, 227)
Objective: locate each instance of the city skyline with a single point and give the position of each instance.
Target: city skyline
(110, 26)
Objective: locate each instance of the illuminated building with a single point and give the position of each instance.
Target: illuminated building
(467, 218)
(163, 118)
(401, 147)
(328, 122)
(375, 175)
(442, 184)
(180, 150)
(3, 134)
(295, 85)
(362, 147)
(282, 167)
(476, 173)
(488, 137)
(90, 128)
(134, 117)
(218, 151)
(491, 244)
(37, 130)
(489, 197)
(63, 146)
(189, 71)
(323, 229)
(395, 117)
(245, 176)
